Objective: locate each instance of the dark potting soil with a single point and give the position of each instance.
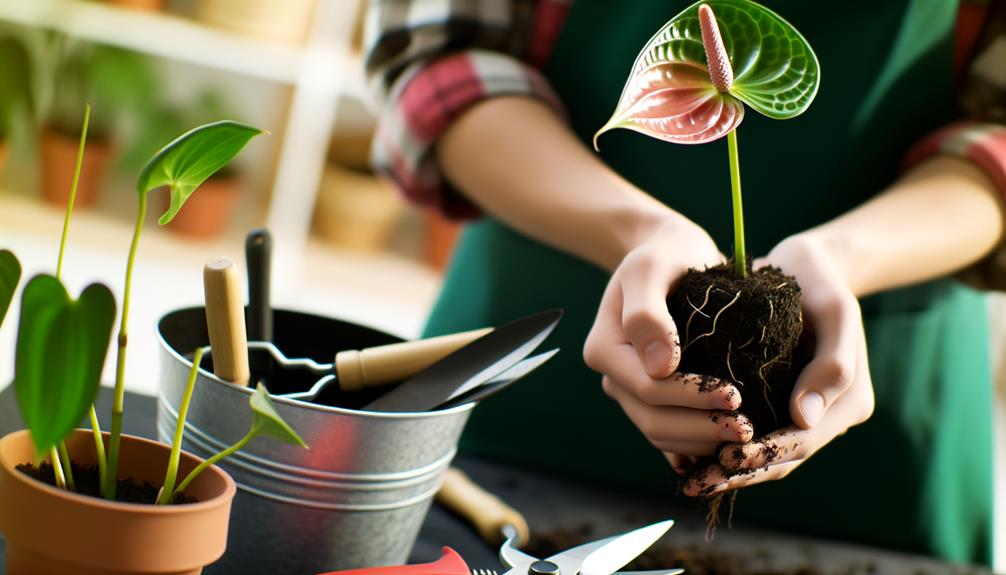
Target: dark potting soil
(745, 331)
(86, 483)
(694, 559)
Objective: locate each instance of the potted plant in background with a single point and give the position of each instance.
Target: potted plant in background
(355, 210)
(737, 324)
(16, 102)
(123, 512)
(145, 5)
(118, 82)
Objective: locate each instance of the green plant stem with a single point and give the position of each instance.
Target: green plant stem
(168, 491)
(740, 255)
(64, 459)
(99, 449)
(73, 189)
(120, 360)
(218, 457)
(57, 468)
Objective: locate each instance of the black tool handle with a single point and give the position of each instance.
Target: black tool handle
(258, 253)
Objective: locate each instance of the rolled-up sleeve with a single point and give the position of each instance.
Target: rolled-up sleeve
(427, 62)
(981, 137)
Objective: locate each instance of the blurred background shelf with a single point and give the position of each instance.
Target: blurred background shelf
(305, 51)
(160, 34)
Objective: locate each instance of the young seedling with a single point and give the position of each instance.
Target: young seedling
(265, 421)
(54, 394)
(181, 166)
(62, 342)
(691, 80)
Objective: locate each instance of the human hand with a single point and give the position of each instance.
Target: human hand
(833, 393)
(634, 345)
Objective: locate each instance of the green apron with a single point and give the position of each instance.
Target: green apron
(918, 475)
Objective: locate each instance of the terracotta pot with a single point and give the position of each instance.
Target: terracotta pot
(441, 235)
(51, 531)
(208, 211)
(148, 5)
(3, 154)
(59, 156)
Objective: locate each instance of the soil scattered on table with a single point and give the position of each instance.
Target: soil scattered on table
(86, 483)
(697, 559)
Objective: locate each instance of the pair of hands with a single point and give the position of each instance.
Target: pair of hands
(634, 344)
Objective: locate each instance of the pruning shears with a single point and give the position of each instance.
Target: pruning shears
(603, 557)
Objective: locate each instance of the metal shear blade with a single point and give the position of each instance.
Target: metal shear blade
(588, 559)
(603, 557)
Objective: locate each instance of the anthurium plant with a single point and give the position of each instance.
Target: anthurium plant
(691, 81)
(62, 342)
(690, 84)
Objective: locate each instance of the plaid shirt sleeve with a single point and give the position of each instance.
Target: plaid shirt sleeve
(981, 137)
(429, 60)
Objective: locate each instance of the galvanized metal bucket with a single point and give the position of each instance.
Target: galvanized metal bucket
(356, 498)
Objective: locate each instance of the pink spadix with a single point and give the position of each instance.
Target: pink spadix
(720, 70)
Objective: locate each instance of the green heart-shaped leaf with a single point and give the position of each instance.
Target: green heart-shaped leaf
(268, 422)
(184, 164)
(10, 275)
(669, 94)
(61, 347)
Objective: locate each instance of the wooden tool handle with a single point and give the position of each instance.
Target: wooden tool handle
(488, 513)
(391, 363)
(225, 318)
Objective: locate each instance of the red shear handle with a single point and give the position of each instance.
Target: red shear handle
(450, 563)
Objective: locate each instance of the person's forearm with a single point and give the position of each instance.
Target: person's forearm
(937, 219)
(518, 161)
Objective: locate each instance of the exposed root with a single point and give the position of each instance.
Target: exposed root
(767, 389)
(713, 516)
(766, 365)
(715, 501)
(688, 324)
(715, 320)
(746, 343)
(733, 378)
(730, 511)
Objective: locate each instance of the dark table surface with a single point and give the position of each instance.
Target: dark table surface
(551, 504)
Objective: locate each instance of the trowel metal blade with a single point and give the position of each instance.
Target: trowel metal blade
(472, 365)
